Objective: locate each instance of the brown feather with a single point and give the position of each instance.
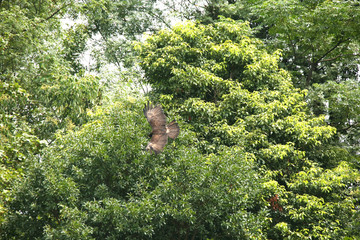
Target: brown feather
(172, 129)
(160, 131)
(157, 143)
(155, 116)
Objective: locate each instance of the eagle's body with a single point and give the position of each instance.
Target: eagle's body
(160, 131)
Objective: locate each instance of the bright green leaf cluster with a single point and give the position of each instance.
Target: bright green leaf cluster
(98, 182)
(232, 93)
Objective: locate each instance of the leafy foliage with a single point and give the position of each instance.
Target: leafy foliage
(38, 92)
(319, 42)
(114, 25)
(233, 93)
(252, 161)
(99, 182)
(339, 101)
(319, 39)
(320, 45)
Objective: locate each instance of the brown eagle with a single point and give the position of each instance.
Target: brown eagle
(160, 131)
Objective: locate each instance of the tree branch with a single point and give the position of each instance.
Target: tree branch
(292, 45)
(356, 125)
(159, 18)
(313, 64)
(51, 16)
(54, 13)
(339, 56)
(330, 50)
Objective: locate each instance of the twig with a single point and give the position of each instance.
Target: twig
(340, 55)
(330, 50)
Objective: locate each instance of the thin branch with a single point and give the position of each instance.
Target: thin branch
(351, 126)
(330, 50)
(54, 13)
(159, 18)
(51, 16)
(339, 56)
(313, 64)
(292, 45)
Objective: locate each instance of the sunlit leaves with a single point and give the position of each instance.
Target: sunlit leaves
(99, 182)
(319, 38)
(322, 183)
(321, 217)
(233, 93)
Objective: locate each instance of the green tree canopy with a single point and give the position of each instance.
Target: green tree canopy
(252, 161)
(113, 25)
(99, 182)
(233, 93)
(39, 94)
(319, 39)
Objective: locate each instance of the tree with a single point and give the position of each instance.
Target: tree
(233, 93)
(99, 182)
(319, 39)
(34, 71)
(319, 42)
(38, 93)
(339, 101)
(115, 24)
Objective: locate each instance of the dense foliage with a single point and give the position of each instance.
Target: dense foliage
(233, 93)
(39, 92)
(269, 143)
(100, 183)
(319, 41)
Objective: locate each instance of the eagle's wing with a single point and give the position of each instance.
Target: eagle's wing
(157, 142)
(155, 116)
(157, 120)
(172, 129)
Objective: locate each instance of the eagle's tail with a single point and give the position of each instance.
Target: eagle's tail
(172, 129)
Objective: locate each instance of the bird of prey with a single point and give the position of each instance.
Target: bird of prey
(160, 130)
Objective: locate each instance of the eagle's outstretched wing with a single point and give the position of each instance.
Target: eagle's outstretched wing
(172, 130)
(157, 120)
(155, 116)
